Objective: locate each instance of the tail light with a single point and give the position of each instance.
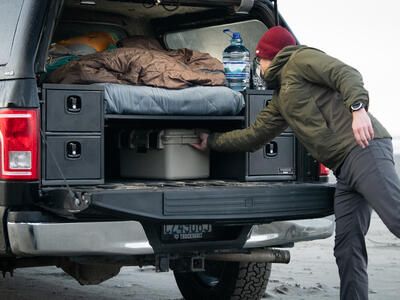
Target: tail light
(323, 171)
(19, 143)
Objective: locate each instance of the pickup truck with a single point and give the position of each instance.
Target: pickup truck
(63, 201)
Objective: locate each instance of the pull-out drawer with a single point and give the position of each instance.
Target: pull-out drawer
(256, 101)
(73, 121)
(77, 159)
(73, 108)
(275, 161)
(276, 158)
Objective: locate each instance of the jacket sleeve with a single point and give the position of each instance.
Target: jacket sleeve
(317, 67)
(268, 124)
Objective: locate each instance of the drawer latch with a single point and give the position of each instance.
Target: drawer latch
(74, 104)
(73, 150)
(271, 149)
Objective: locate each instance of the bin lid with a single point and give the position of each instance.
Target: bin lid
(179, 136)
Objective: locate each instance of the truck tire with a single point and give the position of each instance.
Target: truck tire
(225, 281)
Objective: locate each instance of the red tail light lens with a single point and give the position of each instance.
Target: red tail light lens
(19, 133)
(323, 171)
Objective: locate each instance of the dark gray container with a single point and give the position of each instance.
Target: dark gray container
(275, 158)
(73, 139)
(276, 161)
(73, 108)
(255, 102)
(74, 158)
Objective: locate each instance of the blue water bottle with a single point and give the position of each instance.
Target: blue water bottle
(236, 59)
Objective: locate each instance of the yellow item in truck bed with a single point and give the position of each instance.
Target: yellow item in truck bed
(97, 40)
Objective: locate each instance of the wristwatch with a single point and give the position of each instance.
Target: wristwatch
(356, 106)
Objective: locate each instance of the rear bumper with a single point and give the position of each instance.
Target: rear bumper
(129, 237)
(129, 220)
(75, 239)
(244, 203)
(281, 233)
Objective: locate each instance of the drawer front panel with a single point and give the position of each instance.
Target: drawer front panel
(78, 157)
(73, 110)
(274, 159)
(256, 103)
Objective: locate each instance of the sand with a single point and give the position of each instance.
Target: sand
(312, 272)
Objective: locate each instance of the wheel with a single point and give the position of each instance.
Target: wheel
(225, 281)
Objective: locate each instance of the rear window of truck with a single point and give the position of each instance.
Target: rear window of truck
(9, 15)
(213, 40)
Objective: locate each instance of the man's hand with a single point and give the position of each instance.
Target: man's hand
(362, 128)
(202, 146)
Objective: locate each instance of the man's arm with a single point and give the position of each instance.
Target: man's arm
(268, 124)
(320, 68)
(317, 67)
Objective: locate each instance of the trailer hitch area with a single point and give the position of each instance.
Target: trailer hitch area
(196, 263)
(64, 201)
(180, 263)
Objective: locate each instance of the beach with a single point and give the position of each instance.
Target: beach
(312, 273)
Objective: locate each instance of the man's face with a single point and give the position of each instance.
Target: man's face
(264, 65)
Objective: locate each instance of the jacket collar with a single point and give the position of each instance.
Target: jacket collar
(273, 75)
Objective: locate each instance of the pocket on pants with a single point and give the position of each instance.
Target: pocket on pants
(382, 149)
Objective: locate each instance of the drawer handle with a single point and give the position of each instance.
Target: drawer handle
(74, 104)
(271, 149)
(73, 150)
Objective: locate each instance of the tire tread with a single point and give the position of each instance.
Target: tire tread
(252, 281)
(242, 281)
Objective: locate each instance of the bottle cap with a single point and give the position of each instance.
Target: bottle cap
(236, 35)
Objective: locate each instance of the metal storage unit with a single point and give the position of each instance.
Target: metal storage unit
(72, 137)
(275, 161)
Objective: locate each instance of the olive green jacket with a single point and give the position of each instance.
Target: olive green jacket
(313, 94)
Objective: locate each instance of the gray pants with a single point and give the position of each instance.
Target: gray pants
(367, 179)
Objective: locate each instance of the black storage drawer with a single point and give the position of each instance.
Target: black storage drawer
(255, 104)
(72, 108)
(275, 158)
(275, 161)
(78, 157)
(256, 101)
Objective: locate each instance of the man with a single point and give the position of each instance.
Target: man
(325, 103)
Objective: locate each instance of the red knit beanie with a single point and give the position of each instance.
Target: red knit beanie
(274, 40)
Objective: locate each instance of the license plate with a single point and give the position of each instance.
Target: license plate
(186, 231)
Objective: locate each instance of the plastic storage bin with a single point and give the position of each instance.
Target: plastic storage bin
(165, 154)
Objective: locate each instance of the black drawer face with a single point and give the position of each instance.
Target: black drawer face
(255, 104)
(79, 157)
(274, 159)
(73, 110)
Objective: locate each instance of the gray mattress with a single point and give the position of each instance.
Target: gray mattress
(145, 100)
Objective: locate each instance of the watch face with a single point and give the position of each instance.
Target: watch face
(356, 106)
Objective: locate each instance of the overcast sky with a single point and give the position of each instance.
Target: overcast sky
(364, 34)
